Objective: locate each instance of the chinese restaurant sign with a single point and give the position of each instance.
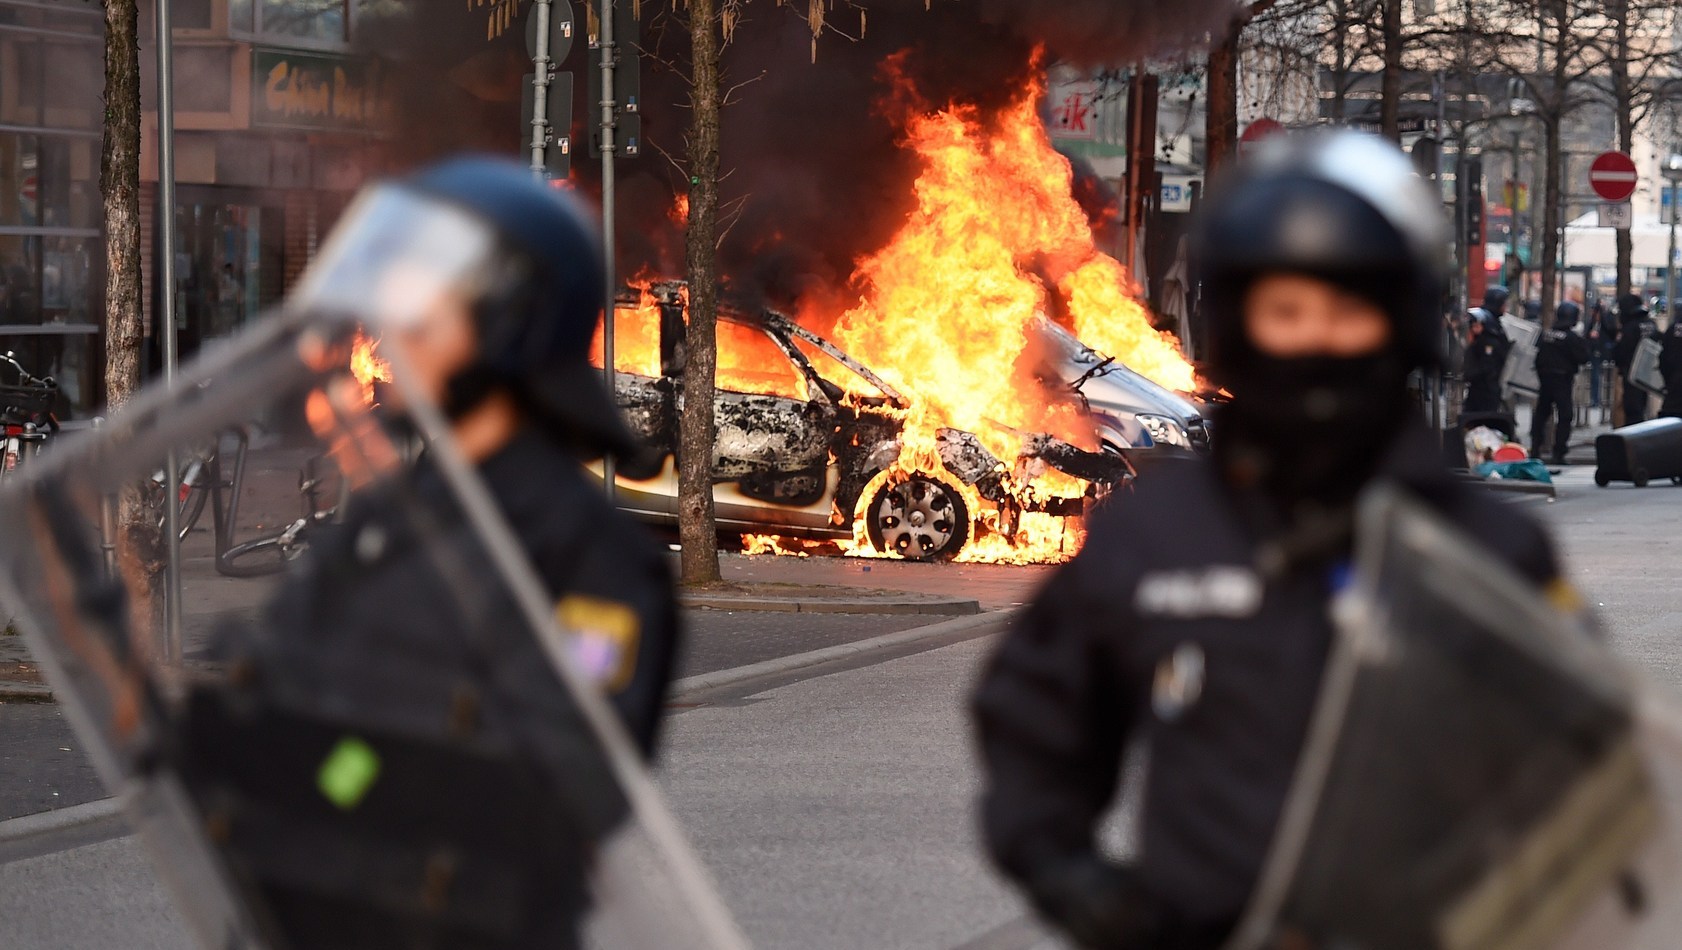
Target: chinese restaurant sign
(311, 91)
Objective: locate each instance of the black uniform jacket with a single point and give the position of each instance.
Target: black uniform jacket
(1632, 330)
(1091, 668)
(1486, 354)
(405, 583)
(1670, 353)
(1561, 352)
(1670, 366)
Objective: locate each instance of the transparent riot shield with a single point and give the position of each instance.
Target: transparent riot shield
(1480, 773)
(376, 735)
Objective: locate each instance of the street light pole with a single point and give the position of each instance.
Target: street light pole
(1672, 174)
(1512, 219)
(166, 307)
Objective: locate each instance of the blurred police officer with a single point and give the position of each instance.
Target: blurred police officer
(1634, 325)
(1194, 623)
(1495, 304)
(1670, 365)
(397, 625)
(1560, 353)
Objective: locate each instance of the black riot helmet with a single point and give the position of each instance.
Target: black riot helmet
(1347, 209)
(1344, 207)
(1495, 300)
(1566, 315)
(522, 255)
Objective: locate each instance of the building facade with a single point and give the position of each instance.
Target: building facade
(273, 114)
(51, 254)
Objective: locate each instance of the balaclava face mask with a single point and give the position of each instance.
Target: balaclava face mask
(1313, 429)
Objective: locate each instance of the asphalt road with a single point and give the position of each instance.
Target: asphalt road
(834, 806)
(42, 766)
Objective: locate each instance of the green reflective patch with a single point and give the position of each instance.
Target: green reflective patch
(348, 772)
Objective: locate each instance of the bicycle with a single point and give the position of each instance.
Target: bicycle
(26, 416)
(270, 553)
(198, 470)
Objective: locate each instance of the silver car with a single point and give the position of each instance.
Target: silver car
(1128, 410)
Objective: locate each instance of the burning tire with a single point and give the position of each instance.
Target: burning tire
(919, 519)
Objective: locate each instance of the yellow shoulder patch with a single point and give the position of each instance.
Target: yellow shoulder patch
(1563, 597)
(602, 636)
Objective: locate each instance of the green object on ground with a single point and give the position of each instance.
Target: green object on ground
(1529, 470)
(348, 772)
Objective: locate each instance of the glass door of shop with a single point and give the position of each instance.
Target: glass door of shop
(228, 263)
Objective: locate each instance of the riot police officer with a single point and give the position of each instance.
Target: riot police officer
(1634, 325)
(1560, 353)
(1486, 355)
(398, 629)
(1495, 305)
(1670, 365)
(1194, 623)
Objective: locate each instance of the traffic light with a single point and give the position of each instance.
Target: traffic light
(1473, 190)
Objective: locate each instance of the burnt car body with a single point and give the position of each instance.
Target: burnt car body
(800, 465)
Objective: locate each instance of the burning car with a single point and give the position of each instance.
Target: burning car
(810, 441)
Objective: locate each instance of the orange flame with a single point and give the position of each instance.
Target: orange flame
(996, 239)
(366, 367)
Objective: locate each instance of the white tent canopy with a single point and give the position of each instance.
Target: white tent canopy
(1586, 244)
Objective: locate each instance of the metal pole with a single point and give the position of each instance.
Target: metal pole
(610, 111)
(1670, 262)
(1512, 218)
(166, 297)
(540, 92)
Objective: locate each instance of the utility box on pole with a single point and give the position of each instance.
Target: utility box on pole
(627, 84)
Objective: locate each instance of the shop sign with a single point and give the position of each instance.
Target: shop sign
(311, 91)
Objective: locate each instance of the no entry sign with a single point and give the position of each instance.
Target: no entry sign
(1613, 176)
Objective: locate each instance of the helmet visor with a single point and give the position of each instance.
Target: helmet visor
(394, 256)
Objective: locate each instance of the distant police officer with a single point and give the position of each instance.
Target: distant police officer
(1194, 623)
(1560, 353)
(489, 286)
(1495, 303)
(1486, 354)
(1634, 325)
(1670, 365)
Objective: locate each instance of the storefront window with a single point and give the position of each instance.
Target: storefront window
(48, 181)
(69, 358)
(51, 257)
(239, 16)
(319, 20)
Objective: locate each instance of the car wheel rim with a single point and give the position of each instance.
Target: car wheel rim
(917, 518)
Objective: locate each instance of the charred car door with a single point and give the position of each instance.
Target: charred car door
(773, 442)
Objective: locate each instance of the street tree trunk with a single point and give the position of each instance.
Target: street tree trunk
(1221, 111)
(1551, 199)
(1340, 59)
(139, 544)
(1390, 83)
(119, 186)
(697, 526)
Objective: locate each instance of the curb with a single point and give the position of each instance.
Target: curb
(103, 809)
(719, 679)
(59, 819)
(25, 693)
(818, 605)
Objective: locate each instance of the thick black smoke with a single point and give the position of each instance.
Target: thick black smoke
(815, 173)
